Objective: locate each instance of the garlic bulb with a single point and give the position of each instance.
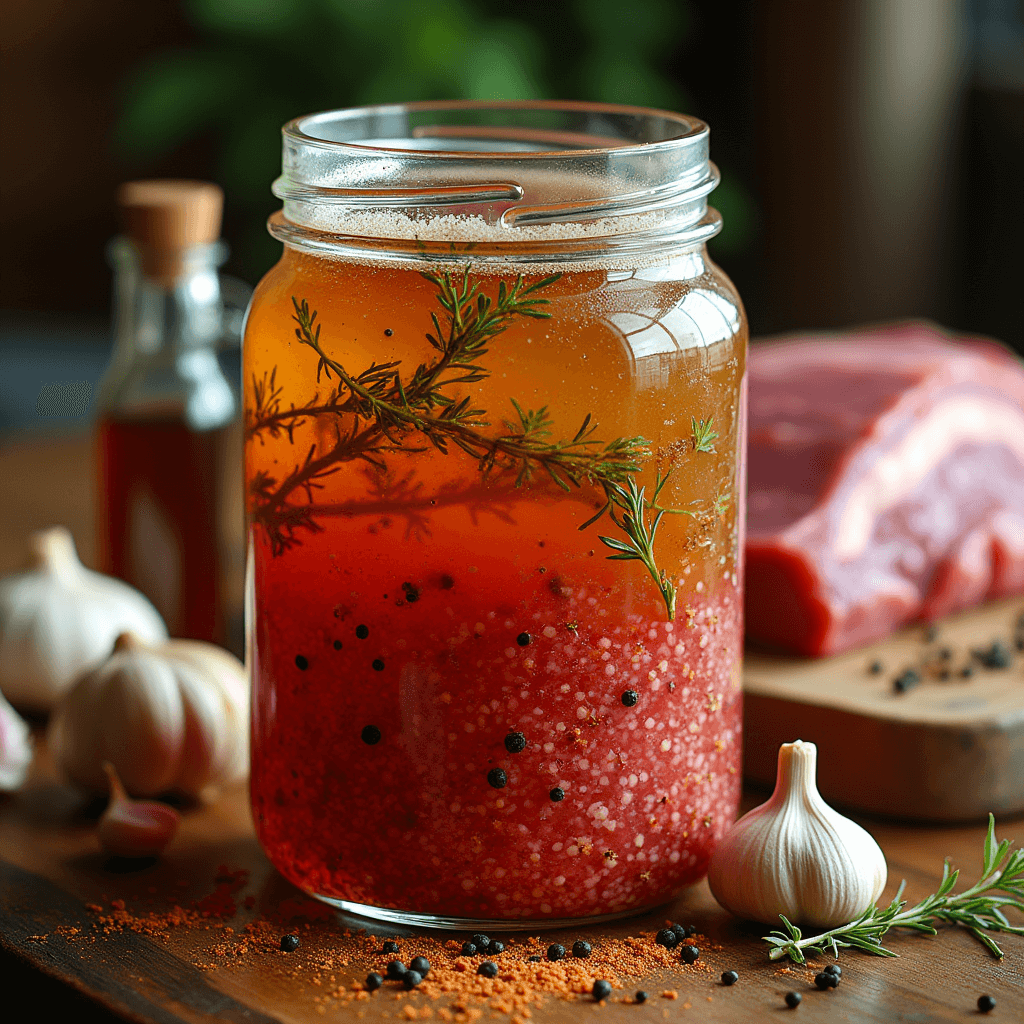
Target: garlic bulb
(134, 828)
(58, 618)
(169, 717)
(795, 855)
(15, 748)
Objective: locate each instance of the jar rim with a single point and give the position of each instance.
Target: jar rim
(692, 127)
(577, 178)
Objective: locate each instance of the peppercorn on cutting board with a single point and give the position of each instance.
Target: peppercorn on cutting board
(948, 748)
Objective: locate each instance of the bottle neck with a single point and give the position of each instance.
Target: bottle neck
(167, 327)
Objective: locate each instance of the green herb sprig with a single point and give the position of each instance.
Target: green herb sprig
(979, 910)
(380, 411)
(703, 434)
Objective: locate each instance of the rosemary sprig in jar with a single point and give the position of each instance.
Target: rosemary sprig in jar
(979, 910)
(380, 412)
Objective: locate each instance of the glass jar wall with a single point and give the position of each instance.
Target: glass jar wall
(494, 473)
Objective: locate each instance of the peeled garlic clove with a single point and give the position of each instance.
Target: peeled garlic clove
(134, 828)
(795, 855)
(58, 618)
(15, 748)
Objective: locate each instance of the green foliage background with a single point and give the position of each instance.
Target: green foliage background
(262, 62)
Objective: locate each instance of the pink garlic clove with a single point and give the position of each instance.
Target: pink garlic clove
(15, 748)
(134, 828)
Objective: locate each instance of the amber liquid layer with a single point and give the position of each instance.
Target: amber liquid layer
(426, 612)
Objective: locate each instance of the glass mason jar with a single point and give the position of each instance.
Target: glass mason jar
(494, 435)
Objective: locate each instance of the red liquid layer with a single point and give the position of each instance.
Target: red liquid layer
(423, 641)
(158, 519)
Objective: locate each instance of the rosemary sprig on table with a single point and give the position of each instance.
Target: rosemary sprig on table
(979, 910)
(379, 412)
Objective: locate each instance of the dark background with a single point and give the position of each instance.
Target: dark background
(872, 150)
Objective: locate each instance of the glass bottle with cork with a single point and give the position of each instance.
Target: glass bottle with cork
(166, 408)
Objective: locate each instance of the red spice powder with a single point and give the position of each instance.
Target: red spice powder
(334, 961)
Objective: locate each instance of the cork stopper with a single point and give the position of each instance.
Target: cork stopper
(165, 217)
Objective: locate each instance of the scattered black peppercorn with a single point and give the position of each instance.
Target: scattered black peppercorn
(377, 664)
(411, 979)
(469, 949)
(581, 949)
(967, 671)
(395, 969)
(289, 943)
(667, 938)
(515, 742)
(534, 959)
(388, 332)
(875, 668)
(390, 946)
(793, 999)
(679, 930)
(374, 981)
(996, 655)
(906, 680)
(602, 989)
(945, 653)
(689, 954)
(421, 965)
(944, 674)
(630, 698)
(496, 947)
(556, 952)
(730, 977)
(487, 969)
(557, 794)
(362, 632)
(370, 734)
(338, 645)
(480, 941)
(447, 582)
(301, 662)
(497, 778)
(986, 1004)
(523, 639)
(834, 969)
(826, 980)
(412, 592)
(640, 997)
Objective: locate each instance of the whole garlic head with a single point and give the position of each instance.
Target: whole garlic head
(15, 748)
(795, 855)
(169, 717)
(58, 618)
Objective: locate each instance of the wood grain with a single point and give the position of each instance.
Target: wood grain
(947, 750)
(50, 869)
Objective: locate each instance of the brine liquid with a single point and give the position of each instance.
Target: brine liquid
(407, 620)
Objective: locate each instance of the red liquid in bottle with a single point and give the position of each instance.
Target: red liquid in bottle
(158, 494)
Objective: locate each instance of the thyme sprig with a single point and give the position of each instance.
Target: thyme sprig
(979, 910)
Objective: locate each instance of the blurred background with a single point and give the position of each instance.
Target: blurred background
(872, 151)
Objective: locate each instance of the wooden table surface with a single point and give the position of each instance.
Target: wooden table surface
(51, 872)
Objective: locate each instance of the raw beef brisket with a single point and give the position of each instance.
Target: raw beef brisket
(886, 484)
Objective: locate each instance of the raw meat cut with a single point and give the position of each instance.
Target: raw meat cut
(886, 484)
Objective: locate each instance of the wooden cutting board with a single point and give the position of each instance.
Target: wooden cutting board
(949, 749)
